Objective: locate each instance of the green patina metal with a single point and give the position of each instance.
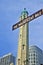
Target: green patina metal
(24, 12)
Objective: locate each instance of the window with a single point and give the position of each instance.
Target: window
(34, 61)
(18, 61)
(29, 58)
(23, 46)
(33, 54)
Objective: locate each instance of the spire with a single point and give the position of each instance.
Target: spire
(24, 12)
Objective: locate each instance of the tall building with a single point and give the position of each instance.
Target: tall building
(35, 56)
(7, 59)
(22, 55)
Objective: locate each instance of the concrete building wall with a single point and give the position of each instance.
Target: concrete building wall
(35, 56)
(7, 59)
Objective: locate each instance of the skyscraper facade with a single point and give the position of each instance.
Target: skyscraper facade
(7, 59)
(35, 55)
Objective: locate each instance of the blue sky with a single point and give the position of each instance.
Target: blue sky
(10, 11)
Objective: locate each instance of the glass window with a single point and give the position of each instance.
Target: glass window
(34, 61)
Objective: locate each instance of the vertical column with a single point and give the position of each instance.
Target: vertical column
(22, 55)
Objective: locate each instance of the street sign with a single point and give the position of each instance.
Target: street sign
(28, 19)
